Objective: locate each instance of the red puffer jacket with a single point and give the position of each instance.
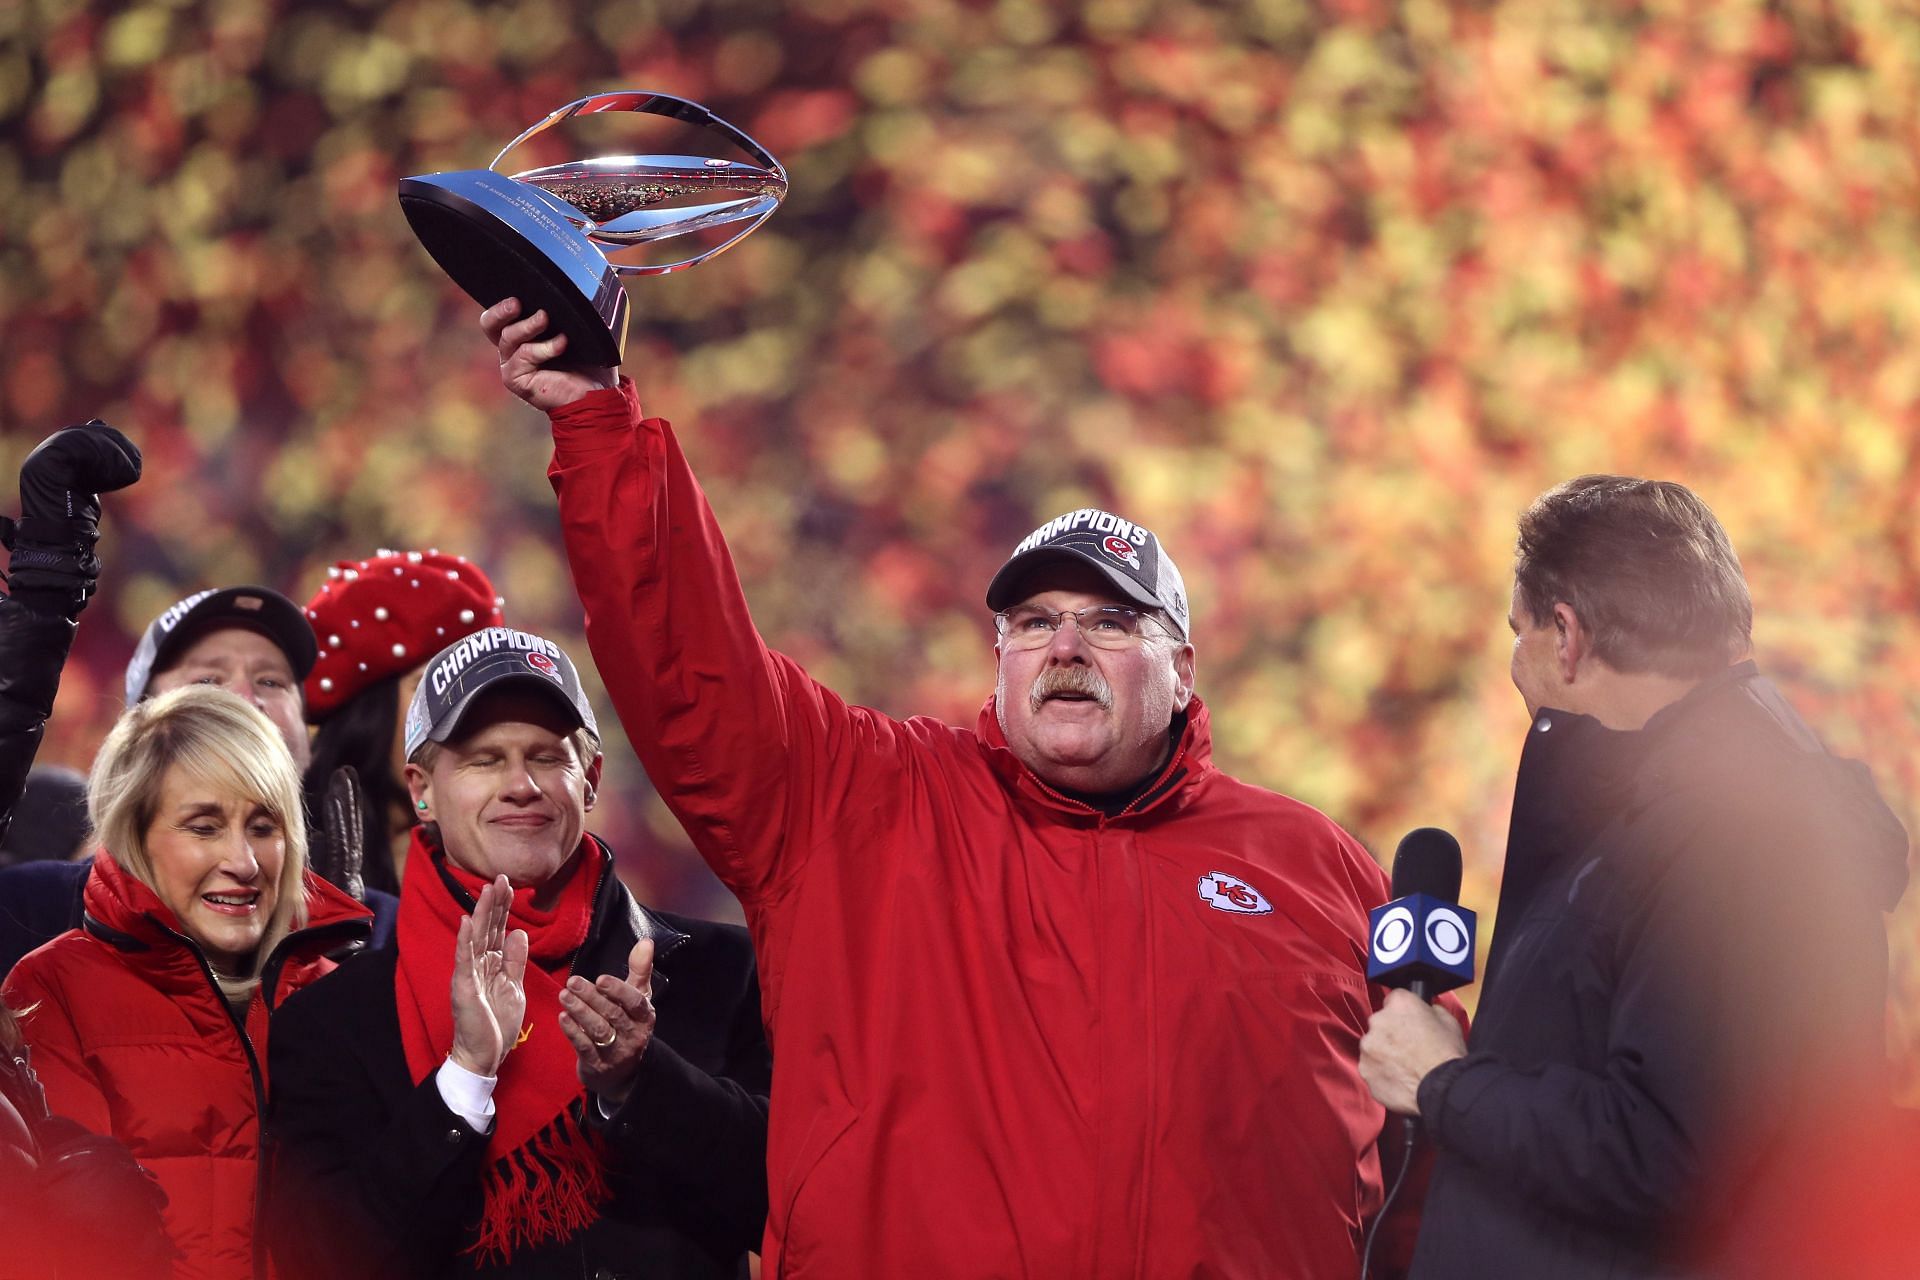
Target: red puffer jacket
(1013, 1037)
(131, 1037)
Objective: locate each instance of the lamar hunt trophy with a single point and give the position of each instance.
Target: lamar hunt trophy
(550, 236)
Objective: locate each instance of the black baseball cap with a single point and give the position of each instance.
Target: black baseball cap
(1126, 554)
(488, 659)
(259, 609)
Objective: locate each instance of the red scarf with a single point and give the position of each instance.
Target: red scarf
(547, 1178)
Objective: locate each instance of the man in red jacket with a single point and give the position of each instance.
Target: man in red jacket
(1050, 997)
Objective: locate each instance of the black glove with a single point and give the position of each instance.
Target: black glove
(60, 486)
(99, 1204)
(341, 852)
(77, 1159)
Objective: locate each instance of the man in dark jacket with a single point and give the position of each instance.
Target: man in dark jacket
(541, 1077)
(1689, 967)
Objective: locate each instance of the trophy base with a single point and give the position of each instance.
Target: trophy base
(498, 238)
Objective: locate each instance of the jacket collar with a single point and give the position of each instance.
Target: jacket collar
(613, 902)
(1569, 756)
(123, 912)
(619, 921)
(1576, 775)
(1707, 690)
(1192, 760)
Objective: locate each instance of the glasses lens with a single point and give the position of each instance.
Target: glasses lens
(1110, 626)
(1025, 627)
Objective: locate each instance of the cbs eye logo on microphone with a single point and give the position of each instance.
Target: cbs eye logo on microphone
(1421, 940)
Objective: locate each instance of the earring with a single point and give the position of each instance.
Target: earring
(421, 805)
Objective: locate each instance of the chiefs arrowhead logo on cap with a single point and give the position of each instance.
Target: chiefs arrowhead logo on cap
(1122, 550)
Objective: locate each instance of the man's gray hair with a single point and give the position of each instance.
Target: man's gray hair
(1646, 568)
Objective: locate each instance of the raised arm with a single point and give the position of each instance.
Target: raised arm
(51, 576)
(745, 748)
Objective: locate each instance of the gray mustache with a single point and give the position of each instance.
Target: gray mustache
(1081, 680)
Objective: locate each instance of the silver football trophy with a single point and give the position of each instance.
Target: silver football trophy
(561, 236)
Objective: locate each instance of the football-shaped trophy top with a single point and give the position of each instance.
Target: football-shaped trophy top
(545, 235)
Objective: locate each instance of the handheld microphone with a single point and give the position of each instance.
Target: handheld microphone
(1423, 939)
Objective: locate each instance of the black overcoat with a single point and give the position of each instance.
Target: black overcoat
(1689, 958)
(373, 1175)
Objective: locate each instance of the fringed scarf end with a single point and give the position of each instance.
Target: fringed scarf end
(541, 1193)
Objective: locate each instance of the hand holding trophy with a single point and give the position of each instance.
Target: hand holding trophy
(561, 237)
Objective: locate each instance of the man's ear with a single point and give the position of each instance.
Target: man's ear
(1573, 643)
(420, 791)
(1183, 672)
(593, 779)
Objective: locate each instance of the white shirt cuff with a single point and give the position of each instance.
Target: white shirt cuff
(467, 1095)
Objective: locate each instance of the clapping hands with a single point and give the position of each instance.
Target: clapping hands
(489, 994)
(610, 1023)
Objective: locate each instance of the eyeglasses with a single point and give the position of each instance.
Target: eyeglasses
(1104, 626)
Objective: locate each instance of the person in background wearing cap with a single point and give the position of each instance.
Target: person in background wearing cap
(1053, 996)
(541, 1077)
(377, 621)
(251, 641)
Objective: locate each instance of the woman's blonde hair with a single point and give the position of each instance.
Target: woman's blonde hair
(222, 742)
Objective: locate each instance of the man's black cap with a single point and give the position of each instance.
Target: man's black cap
(1126, 554)
(255, 608)
(488, 659)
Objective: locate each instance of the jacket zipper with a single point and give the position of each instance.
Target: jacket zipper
(1168, 778)
(259, 1092)
(269, 977)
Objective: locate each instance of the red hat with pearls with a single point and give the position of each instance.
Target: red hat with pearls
(386, 615)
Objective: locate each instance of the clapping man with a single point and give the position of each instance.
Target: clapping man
(541, 1076)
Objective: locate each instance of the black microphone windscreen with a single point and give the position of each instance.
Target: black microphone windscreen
(1427, 861)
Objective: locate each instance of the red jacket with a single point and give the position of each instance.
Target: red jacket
(1011, 1037)
(131, 1037)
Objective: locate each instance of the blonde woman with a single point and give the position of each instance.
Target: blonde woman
(150, 1021)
